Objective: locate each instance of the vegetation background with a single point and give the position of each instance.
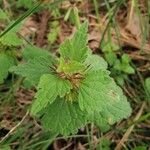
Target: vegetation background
(119, 31)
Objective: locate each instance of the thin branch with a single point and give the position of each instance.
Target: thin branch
(14, 128)
(130, 129)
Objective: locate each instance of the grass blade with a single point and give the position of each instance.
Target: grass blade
(26, 14)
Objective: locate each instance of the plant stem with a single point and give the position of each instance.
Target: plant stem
(20, 19)
(89, 138)
(114, 9)
(26, 14)
(96, 11)
(14, 128)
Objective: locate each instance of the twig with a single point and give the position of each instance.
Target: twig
(64, 148)
(130, 129)
(109, 21)
(58, 138)
(14, 128)
(5, 3)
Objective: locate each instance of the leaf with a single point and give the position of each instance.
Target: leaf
(125, 59)
(15, 23)
(5, 147)
(33, 69)
(120, 79)
(128, 69)
(27, 84)
(3, 15)
(108, 46)
(95, 62)
(99, 119)
(25, 3)
(55, 30)
(63, 117)
(6, 62)
(70, 67)
(52, 36)
(110, 58)
(147, 84)
(11, 39)
(30, 52)
(125, 65)
(98, 92)
(141, 148)
(104, 144)
(74, 15)
(49, 87)
(67, 15)
(75, 48)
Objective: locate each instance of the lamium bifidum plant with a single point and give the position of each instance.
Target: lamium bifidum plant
(73, 89)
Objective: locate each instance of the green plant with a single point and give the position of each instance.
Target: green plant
(55, 29)
(104, 144)
(147, 85)
(140, 148)
(6, 61)
(8, 47)
(73, 15)
(25, 3)
(73, 89)
(3, 15)
(120, 67)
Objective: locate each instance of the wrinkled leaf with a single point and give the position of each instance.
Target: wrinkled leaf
(31, 52)
(63, 117)
(95, 62)
(49, 87)
(75, 48)
(11, 39)
(6, 62)
(33, 69)
(98, 92)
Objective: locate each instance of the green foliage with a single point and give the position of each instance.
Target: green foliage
(141, 148)
(38, 62)
(73, 16)
(42, 141)
(124, 65)
(54, 31)
(8, 44)
(95, 62)
(120, 67)
(3, 15)
(99, 92)
(6, 62)
(63, 117)
(6, 147)
(33, 69)
(104, 144)
(25, 3)
(75, 48)
(147, 84)
(11, 39)
(49, 87)
(109, 46)
(31, 52)
(70, 67)
(75, 89)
